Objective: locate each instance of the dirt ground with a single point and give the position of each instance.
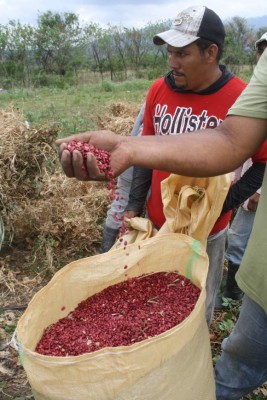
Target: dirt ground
(17, 288)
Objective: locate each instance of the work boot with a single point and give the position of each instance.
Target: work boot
(231, 289)
(108, 240)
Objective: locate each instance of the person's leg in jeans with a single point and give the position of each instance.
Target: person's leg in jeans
(114, 215)
(238, 236)
(242, 366)
(215, 250)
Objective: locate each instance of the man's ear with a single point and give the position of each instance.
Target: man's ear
(212, 52)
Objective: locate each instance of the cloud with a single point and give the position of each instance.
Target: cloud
(124, 12)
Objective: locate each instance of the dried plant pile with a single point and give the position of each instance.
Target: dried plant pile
(66, 222)
(15, 287)
(26, 154)
(120, 118)
(58, 218)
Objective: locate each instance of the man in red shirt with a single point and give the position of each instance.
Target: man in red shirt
(195, 94)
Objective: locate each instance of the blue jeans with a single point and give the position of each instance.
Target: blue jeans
(118, 205)
(242, 366)
(238, 235)
(114, 215)
(215, 251)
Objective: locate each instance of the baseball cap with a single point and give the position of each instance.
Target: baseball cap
(191, 24)
(263, 38)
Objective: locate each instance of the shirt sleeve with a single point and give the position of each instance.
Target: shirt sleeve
(253, 100)
(261, 155)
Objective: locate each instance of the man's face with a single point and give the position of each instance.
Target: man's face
(190, 68)
(260, 49)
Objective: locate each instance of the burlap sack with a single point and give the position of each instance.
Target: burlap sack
(193, 205)
(175, 365)
(190, 205)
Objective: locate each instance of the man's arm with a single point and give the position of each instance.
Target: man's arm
(208, 152)
(141, 178)
(253, 202)
(245, 187)
(139, 189)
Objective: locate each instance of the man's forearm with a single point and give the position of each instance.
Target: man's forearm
(245, 187)
(209, 153)
(139, 188)
(202, 153)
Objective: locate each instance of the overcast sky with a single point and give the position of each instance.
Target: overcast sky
(127, 13)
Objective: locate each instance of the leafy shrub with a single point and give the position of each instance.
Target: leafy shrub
(107, 86)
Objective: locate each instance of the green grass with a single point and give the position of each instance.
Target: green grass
(74, 109)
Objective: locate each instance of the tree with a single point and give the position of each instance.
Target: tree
(118, 38)
(16, 52)
(95, 38)
(134, 45)
(237, 43)
(158, 54)
(57, 39)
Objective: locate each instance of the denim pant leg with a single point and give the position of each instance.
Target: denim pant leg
(114, 214)
(118, 205)
(215, 250)
(242, 366)
(238, 235)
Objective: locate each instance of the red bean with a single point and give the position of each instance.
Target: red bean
(102, 158)
(122, 314)
(103, 162)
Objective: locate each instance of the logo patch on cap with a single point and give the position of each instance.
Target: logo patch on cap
(183, 17)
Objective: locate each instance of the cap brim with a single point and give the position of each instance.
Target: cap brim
(174, 38)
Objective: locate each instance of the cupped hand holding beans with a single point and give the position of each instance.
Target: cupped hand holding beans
(94, 155)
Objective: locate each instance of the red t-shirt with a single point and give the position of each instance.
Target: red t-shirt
(172, 113)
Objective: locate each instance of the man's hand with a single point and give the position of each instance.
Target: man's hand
(73, 164)
(253, 202)
(126, 216)
(129, 214)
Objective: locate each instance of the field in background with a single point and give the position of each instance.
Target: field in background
(74, 109)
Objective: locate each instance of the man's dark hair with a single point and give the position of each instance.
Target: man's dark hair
(260, 47)
(203, 44)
